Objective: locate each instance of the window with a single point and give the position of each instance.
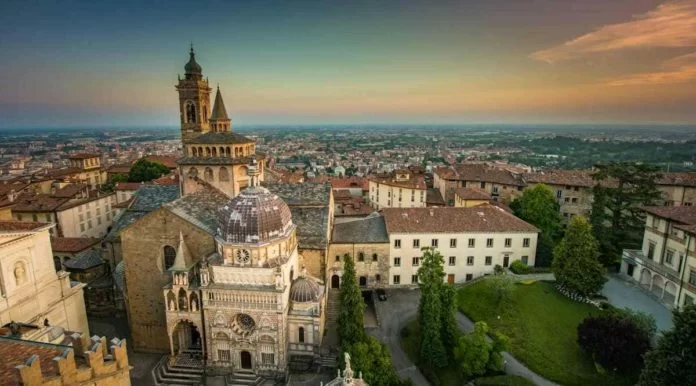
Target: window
(525, 242)
(48, 217)
(99, 220)
(267, 358)
(169, 256)
(489, 243)
(82, 227)
(574, 200)
(397, 243)
(415, 261)
(669, 257)
(374, 257)
(495, 190)
(224, 355)
(82, 218)
(19, 217)
(525, 259)
(559, 193)
(416, 243)
(361, 256)
(508, 243)
(469, 277)
(567, 199)
(655, 222)
(98, 211)
(651, 251)
(483, 185)
(692, 276)
(489, 260)
(300, 335)
(414, 279)
(434, 243)
(396, 279)
(472, 243)
(378, 277)
(452, 260)
(453, 243)
(338, 258)
(34, 217)
(89, 224)
(469, 260)
(397, 262)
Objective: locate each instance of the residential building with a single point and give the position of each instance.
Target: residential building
(399, 189)
(66, 248)
(678, 188)
(666, 263)
(503, 185)
(84, 168)
(572, 189)
(471, 240)
(468, 197)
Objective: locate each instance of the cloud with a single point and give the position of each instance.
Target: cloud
(676, 70)
(672, 24)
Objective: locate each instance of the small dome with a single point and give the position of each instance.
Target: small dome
(192, 67)
(254, 216)
(304, 290)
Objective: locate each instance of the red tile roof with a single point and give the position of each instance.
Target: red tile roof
(10, 226)
(414, 182)
(166, 160)
(84, 155)
(72, 244)
(119, 169)
(576, 177)
(128, 186)
(351, 182)
(479, 172)
(169, 179)
(15, 352)
(472, 194)
(685, 179)
(683, 214)
(448, 219)
(70, 191)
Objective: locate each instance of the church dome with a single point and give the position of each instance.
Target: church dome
(192, 67)
(254, 216)
(304, 290)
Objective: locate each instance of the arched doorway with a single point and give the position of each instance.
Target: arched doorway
(363, 281)
(245, 359)
(186, 339)
(658, 285)
(335, 281)
(645, 278)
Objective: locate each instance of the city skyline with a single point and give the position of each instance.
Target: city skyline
(82, 64)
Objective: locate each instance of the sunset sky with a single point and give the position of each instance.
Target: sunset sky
(294, 62)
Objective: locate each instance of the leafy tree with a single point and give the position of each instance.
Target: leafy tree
(476, 355)
(673, 361)
(448, 320)
(144, 171)
(501, 286)
(575, 262)
(644, 321)
(372, 358)
(110, 185)
(351, 328)
(615, 342)
(430, 278)
(538, 206)
(616, 216)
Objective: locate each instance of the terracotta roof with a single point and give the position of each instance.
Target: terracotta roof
(56, 173)
(472, 194)
(119, 169)
(683, 214)
(576, 177)
(169, 179)
(39, 203)
(166, 160)
(84, 155)
(351, 182)
(448, 219)
(479, 172)
(414, 182)
(70, 190)
(434, 197)
(685, 179)
(72, 244)
(128, 186)
(6, 188)
(10, 226)
(15, 352)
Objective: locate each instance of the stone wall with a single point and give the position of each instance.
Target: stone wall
(375, 269)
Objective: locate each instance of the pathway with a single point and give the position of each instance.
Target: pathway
(623, 294)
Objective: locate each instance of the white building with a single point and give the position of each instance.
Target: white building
(31, 291)
(401, 189)
(666, 263)
(471, 240)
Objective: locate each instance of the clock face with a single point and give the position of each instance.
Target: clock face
(243, 256)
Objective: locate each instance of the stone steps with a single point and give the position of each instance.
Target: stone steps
(164, 374)
(244, 378)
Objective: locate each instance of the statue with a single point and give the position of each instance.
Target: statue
(19, 273)
(194, 305)
(171, 305)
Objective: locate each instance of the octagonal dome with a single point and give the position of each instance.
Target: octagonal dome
(304, 290)
(254, 216)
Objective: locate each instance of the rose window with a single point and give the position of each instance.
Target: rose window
(243, 324)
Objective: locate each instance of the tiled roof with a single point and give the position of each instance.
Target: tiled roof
(94, 195)
(472, 194)
(254, 215)
(169, 179)
(200, 208)
(39, 203)
(84, 260)
(371, 229)
(576, 177)
(414, 182)
(6, 188)
(12, 226)
(350, 183)
(479, 172)
(72, 244)
(119, 169)
(15, 352)
(312, 226)
(151, 197)
(434, 197)
(302, 194)
(219, 110)
(129, 186)
(70, 191)
(685, 179)
(84, 155)
(220, 138)
(166, 160)
(683, 214)
(56, 173)
(476, 219)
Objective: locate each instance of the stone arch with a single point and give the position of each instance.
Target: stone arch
(227, 152)
(378, 277)
(195, 302)
(658, 285)
(190, 112)
(193, 172)
(214, 151)
(208, 174)
(361, 256)
(645, 278)
(183, 300)
(169, 254)
(222, 151)
(301, 334)
(194, 151)
(200, 151)
(223, 174)
(171, 300)
(335, 281)
(266, 339)
(185, 335)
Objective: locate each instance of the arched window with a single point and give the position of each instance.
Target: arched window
(195, 152)
(169, 256)
(300, 334)
(222, 151)
(214, 152)
(207, 151)
(374, 257)
(193, 172)
(190, 112)
(227, 152)
(224, 174)
(208, 175)
(378, 277)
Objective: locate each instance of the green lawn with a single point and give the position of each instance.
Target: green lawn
(542, 327)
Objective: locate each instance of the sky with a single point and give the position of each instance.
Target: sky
(109, 64)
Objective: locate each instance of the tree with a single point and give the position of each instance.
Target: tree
(616, 215)
(673, 361)
(144, 171)
(538, 206)
(575, 262)
(372, 358)
(615, 342)
(430, 278)
(351, 328)
(476, 354)
(501, 286)
(448, 320)
(110, 185)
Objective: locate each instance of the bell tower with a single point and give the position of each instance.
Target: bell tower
(194, 100)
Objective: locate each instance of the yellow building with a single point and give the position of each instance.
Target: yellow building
(399, 189)
(468, 197)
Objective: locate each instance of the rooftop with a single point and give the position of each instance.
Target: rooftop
(371, 229)
(15, 352)
(575, 177)
(312, 226)
(479, 172)
(414, 181)
(682, 214)
(166, 160)
(84, 155)
(302, 194)
(448, 219)
(14, 226)
(434, 197)
(684, 178)
(221, 138)
(472, 194)
(200, 208)
(72, 244)
(127, 186)
(84, 260)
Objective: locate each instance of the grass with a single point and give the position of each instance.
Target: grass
(542, 327)
(503, 380)
(410, 337)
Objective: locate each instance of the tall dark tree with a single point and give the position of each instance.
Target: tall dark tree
(575, 262)
(615, 342)
(351, 328)
(616, 218)
(448, 320)
(431, 276)
(538, 206)
(144, 171)
(673, 361)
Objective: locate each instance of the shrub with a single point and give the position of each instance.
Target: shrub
(615, 342)
(520, 268)
(498, 269)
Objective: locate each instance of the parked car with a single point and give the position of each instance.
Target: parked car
(381, 294)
